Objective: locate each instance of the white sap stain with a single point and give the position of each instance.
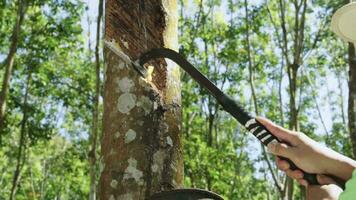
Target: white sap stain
(146, 85)
(150, 70)
(130, 136)
(113, 183)
(126, 102)
(131, 172)
(145, 103)
(169, 141)
(125, 197)
(125, 43)
(125, 84)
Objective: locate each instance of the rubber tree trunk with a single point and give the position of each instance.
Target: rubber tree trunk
(352, 96)
(141, 150)
(9, 61)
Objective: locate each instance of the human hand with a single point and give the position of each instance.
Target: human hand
(307, 154)
(323, 192)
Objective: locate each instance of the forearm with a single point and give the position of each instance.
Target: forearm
(340, 166)
(307, 154)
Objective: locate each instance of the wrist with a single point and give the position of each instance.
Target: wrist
(340, 166)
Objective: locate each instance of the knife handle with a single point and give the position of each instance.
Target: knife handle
(266, 137)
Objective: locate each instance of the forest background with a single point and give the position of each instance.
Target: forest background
(253, 50)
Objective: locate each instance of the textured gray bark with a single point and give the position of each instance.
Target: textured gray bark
(141, 146)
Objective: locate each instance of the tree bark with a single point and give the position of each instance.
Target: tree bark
(352, 97)
(141, 151)
(9, 61)
(94, 136)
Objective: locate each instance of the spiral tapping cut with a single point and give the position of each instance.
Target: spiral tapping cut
(117, 51)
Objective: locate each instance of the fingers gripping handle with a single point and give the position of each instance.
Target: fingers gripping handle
(258, 130)
(266, 137)
(310, 178)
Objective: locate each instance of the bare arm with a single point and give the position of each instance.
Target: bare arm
(307, 154)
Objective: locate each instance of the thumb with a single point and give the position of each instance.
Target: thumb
(278, 131)
(281, 149)
(325, 180)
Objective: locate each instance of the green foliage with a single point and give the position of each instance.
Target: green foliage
(219, 155)
(219, 49)
(51, 63)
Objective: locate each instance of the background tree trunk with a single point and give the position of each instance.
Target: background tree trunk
(94, 136)
(141, 146)
(9, 61)
(352, 96)
(251, 66)
(293, 123)
(20, 158)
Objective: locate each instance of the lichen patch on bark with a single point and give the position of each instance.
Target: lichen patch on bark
(169, 141)
(146, 104)
(154, 168)
(113, 183)
(164, 127)
(117, 134)
(132, 172)
(130, 136)
(158, 160)
(125, 84)
(121, 66)
(126, 102)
